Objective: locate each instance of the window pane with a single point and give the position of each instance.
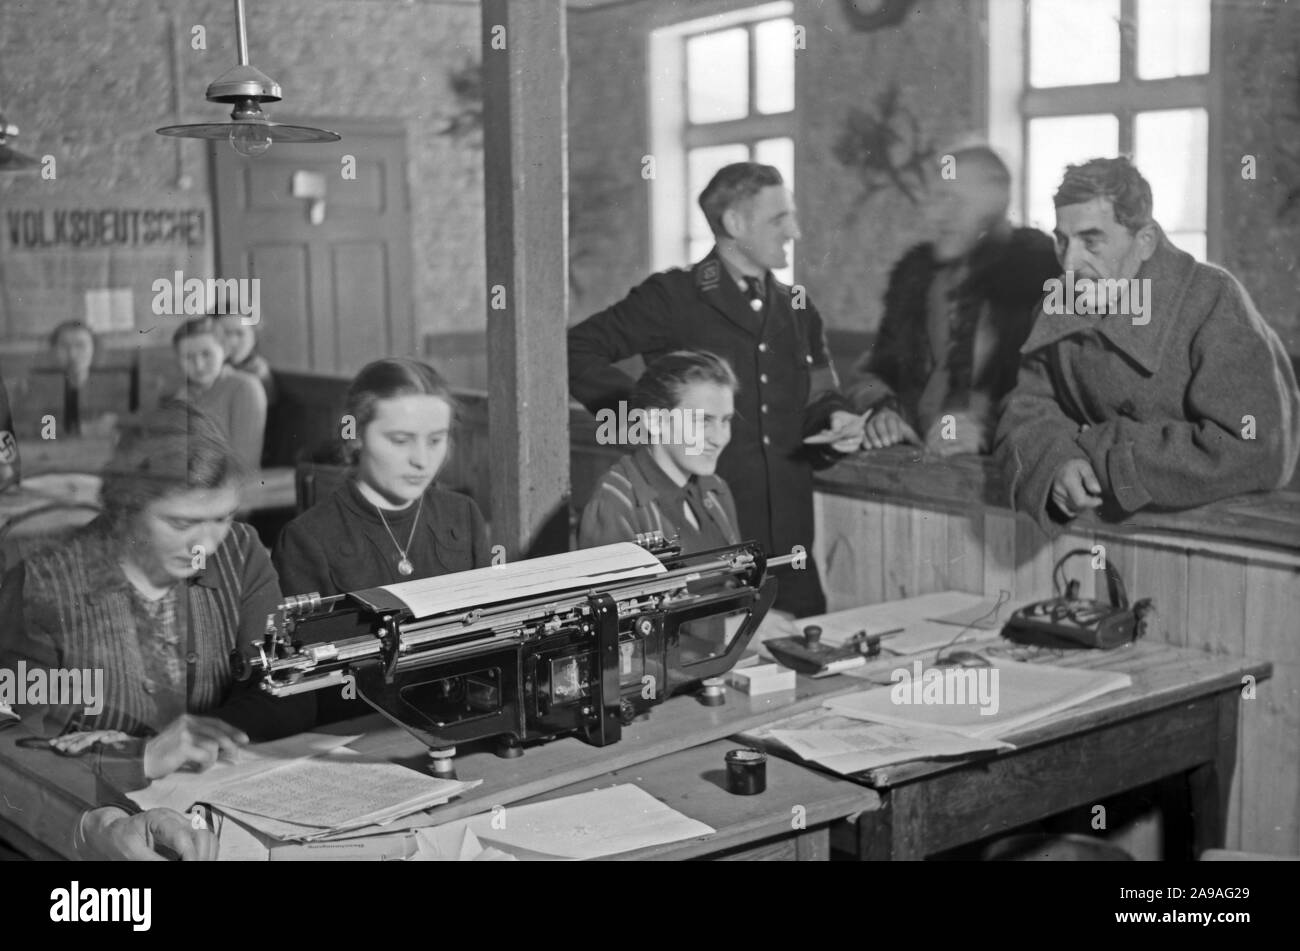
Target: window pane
(1173, 38)
(1170, 149)
(701, 165)
(1073, 42)
(1055, 143)
(780, 153)
(774, 82)
(717, 76)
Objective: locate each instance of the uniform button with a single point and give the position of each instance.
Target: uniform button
(762, 378)
(762, 348)
(767, 440)
(763, 408)
(149, 688)
(191, 658)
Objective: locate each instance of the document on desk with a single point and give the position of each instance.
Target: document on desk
(183, 789)
(588, 825)
(552, 574)
(977, 701)
(846, 746)
(304, 787)
(329, 794)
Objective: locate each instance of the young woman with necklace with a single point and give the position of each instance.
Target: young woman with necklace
(388, 522)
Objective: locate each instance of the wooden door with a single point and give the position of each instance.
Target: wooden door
(335, 294)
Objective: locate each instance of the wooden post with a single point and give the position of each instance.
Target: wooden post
(525, 182)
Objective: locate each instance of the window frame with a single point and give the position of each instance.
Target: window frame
(672, 136)
(1013, 102)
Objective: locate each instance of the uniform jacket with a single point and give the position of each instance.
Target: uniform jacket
(1164, 411)
(626, 503)
(787, 389)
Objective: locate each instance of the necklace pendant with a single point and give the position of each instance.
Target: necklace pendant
(405, 567)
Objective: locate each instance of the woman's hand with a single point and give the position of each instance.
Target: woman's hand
(110, 833)
(887, 428)
(191, 741)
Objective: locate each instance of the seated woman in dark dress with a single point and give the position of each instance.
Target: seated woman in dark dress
(155, 593)
(388, 522)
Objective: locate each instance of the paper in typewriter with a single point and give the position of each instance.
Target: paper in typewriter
(552, 574)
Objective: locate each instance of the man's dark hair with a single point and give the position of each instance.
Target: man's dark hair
(732, 184)
(1117, 180)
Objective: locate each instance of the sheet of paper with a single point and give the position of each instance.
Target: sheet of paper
(333, 792)
(455, 843)
(913, 615)
(589, 825)
(181, 790)
(846, 746)
(977, 701)
(551, 574)
(987, 615)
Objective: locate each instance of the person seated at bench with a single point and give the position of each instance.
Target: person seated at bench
(156, 592)
(75, 347)
(957, 309)
(669, 483)
(1149, 380)
(389, 522)
(240, 341)
(231, 397)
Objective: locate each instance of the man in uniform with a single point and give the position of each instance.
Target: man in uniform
(731, 305)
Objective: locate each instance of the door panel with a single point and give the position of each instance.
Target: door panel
(337, 294)
(359, 266)
(286, 327)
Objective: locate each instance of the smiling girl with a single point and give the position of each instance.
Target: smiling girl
(670, 485)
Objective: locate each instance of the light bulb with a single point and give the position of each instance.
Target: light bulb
(250, 140)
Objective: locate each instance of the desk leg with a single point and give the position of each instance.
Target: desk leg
(1210, 784)
(895, 831)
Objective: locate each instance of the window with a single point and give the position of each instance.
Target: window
(721, 91)
(1072, 80)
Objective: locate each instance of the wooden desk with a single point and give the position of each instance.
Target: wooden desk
(65, 454)
(693, 782)
(679, 723)
(1178, 720)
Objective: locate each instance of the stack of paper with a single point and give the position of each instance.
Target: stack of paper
(304, 788)
(977, 701)
(846, 746)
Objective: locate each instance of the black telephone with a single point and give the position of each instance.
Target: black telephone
(1066, 621)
